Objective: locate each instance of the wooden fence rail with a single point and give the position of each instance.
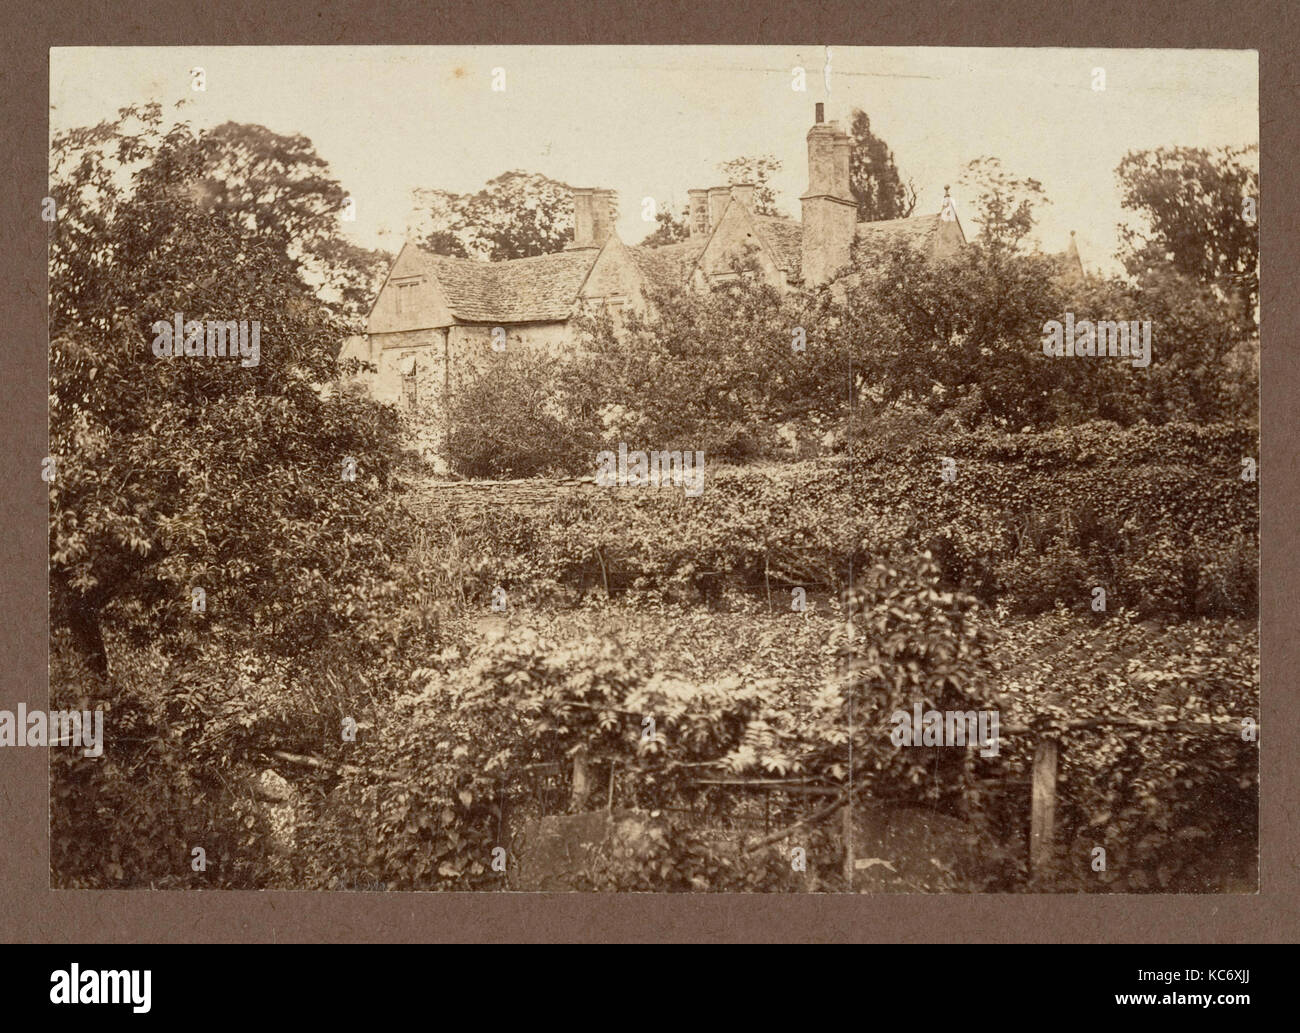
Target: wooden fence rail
(1043, 780)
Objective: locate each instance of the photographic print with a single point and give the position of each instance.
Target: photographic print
(612, 469)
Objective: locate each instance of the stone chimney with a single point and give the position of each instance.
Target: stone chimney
(830, 214)
(583, 235)
(744, 193)
(843, 156)
(718, 198)
(592, 221)
(699, 212)
(602, 215)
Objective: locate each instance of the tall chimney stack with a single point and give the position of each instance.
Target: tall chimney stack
(583, 230)
(699, 212)
(744, 193)
(830, 214)
(602, 215)
(718, 198)
(592, 218)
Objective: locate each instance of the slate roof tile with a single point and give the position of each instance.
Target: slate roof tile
(543, 288)
(919, 230)
(668, 266)
(785, 237)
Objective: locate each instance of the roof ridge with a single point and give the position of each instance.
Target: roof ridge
(659, 247)
(902, 218)
(488, 263)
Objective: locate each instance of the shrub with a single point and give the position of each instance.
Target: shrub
(1157, 516)
(520, 414)
(1174, 811)
(131, 817)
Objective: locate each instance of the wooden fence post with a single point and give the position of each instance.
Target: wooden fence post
(581, 780)
(847, 834)
(1042, 815)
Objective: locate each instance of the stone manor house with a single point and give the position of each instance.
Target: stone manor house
(434, 315)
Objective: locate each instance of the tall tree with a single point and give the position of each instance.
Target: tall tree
(874, 178)
(201, 472)
(669, 228)
(759, 170)
(274, 183)
(1004, 203)
(516, 215)
(1196, 211)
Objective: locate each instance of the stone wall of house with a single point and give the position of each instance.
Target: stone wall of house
(472, 346)
(615, 279)
(391, 351)
(736, 240)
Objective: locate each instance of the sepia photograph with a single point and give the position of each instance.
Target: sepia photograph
(652, 469)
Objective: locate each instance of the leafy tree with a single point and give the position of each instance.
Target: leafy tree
(874, 178)
(276, 184)
(962, 335)
(516, 215)
(669, 228)
(757, 170)
(718, 370)
(445, 242)
(1197, 372)
(521, 414)
(1191, 215)
(1004, 203)
(181, 473)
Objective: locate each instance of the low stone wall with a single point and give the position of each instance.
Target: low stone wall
(431, 495)
(532, 491)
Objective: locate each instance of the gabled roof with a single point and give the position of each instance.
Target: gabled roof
(668, 266)
(931, 234)
(918, 230)
(543, 288)
(779, 238)
(1068, 263)
(785, 237)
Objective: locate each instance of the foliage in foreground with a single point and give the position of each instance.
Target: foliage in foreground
(245, 477)
(1176, 815)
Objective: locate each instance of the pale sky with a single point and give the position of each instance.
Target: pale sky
(656, 121)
